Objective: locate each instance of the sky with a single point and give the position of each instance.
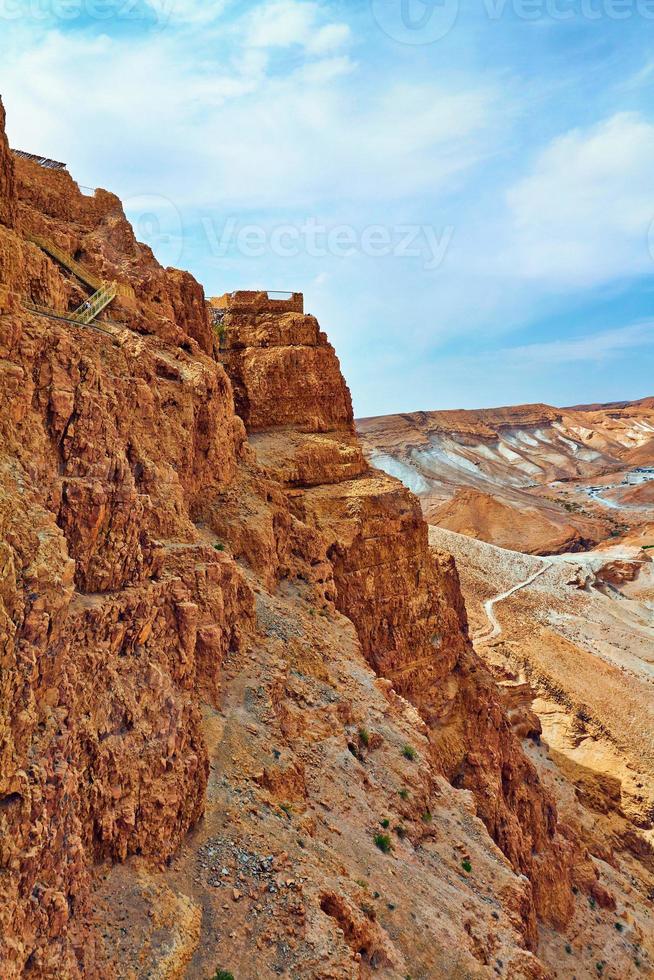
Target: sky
(463, 189)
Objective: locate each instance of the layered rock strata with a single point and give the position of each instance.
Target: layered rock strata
(406, 607)
(116, 608)
(189, 627)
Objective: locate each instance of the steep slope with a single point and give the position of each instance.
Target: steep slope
(252, 631)
(121, 458)
(114, 610)
(576, 642)
(407, 610)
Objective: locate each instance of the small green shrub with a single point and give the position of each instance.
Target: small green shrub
(600, 966)
(364, 737)
(223, 975)
(409, 753)
(383, 842)
(286, 807)
(467, 867)
(592, 902)
(427, 817)
(220, 546)
(568, 948)
(404, 794)
(385, 823)
(220, 330)
(619, 926)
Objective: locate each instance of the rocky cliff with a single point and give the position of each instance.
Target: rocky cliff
(220, 613)
(406, 607)
(115, 610)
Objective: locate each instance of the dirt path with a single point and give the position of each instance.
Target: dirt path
(494, 628)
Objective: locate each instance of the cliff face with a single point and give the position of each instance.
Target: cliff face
(406, 607)
(283, 369)
(115, 609)
(194, 622)
(6, 176)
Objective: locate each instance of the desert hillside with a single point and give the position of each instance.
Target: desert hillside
(521, 477)
(244, 730)
(571, 641)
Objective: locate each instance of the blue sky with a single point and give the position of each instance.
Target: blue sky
(463, 189)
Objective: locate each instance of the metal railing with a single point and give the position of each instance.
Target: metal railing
(67, 318)
(83, 274)
(42, 161)
(93, 306)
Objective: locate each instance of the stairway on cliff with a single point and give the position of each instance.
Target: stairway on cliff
(104, 292)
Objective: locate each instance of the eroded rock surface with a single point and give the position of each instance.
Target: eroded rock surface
(252, 631)
(115, 608)
(410, 620)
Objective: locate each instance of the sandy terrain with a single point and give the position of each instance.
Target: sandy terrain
(579, 629)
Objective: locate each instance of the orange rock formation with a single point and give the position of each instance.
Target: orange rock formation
(407, 609)
(177, 597)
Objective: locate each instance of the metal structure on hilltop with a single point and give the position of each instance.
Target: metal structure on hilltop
(42, 161)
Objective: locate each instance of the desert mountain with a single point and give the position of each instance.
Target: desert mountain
(478, 471)
(243, 727)
(570, 639)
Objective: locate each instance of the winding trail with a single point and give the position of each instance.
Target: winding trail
(494, 629)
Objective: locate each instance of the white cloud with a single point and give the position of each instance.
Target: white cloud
(195, 13)
(328, 38)
(161, 115)
(581, 217)
(326, 70)
(283, 23)
(600, 346)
